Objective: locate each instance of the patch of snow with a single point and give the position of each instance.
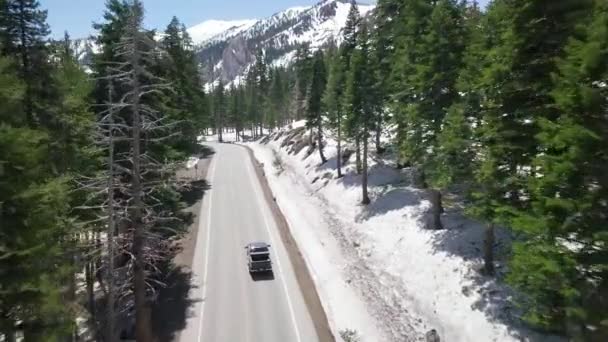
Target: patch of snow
(191, 162)
(210, 28)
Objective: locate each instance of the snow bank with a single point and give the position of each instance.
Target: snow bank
(377, 270)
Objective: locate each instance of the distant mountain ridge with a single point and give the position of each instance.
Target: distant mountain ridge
(225, 48)
(228, 54)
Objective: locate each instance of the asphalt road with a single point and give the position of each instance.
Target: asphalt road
(231, 306)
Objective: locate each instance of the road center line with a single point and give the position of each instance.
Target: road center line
(258, 197)
(207, 243)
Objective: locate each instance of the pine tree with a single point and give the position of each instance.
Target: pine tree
(360, 98)
(333, 103)
(219, 109)
(431, 76)
(455, 159)
(526, 37)
(33, 215)
(179, 68)
(23, 31)
(314, 108)
(566, 243)
(277, 99)
(383, 36)
(349, 33)
(347, 48)
(303, 67)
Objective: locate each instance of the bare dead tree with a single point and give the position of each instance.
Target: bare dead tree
(125, 197)
(144, 175)
(110, 316)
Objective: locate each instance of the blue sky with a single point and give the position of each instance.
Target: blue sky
(76, 16)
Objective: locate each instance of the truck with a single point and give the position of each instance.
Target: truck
(258, 257)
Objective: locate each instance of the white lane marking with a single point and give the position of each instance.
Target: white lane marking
(204, 297)
(293, 316)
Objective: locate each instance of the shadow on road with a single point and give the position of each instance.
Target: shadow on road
(173, 305)
(262, 276)
(170, 311)
(193, 192)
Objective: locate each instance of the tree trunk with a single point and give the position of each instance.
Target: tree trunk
(9, 336)
(220, 129)
(8, 330)
(310, 140)
(488, 250)
(90, 282)
(358, 154)
(143, 322)
(365, 197)
(436, 209)
(339, 152)
(110, 333)
(379, 148)
(320, 142)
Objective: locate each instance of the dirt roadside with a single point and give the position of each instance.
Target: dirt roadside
(170, 312)
(197, 176)
(307, 285)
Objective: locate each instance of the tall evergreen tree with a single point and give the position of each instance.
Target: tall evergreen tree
(360, 98)
(527, 36)
(383, 37)
(303, 67)
(431, 76)
(349, 33)
(219, 109)
(347, 48)
(314, 119)
(33, 217)
(187, 102)
(24, 31)
(455, 158)
(277, 99)
(333, 102)
(566, 245)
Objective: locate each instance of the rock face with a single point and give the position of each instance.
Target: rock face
(235, 58)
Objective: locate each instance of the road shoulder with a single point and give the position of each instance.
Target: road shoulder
(171, 311)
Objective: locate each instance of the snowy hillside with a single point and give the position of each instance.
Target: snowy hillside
(278, 35)
(209, 29)
(84, 49)
(379, 268)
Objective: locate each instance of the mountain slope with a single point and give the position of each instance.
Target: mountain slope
(204, 31)
(228, 54)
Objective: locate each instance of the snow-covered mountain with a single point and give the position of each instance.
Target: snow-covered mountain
(202, 32)
(228, 53)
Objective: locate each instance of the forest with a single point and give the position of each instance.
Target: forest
(504, 105)
(89, 201)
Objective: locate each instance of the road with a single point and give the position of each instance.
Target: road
(229, 305)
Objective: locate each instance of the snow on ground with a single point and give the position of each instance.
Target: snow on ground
(191, 162)
(377, 270)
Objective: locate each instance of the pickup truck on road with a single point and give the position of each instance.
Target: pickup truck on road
(258, 257)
